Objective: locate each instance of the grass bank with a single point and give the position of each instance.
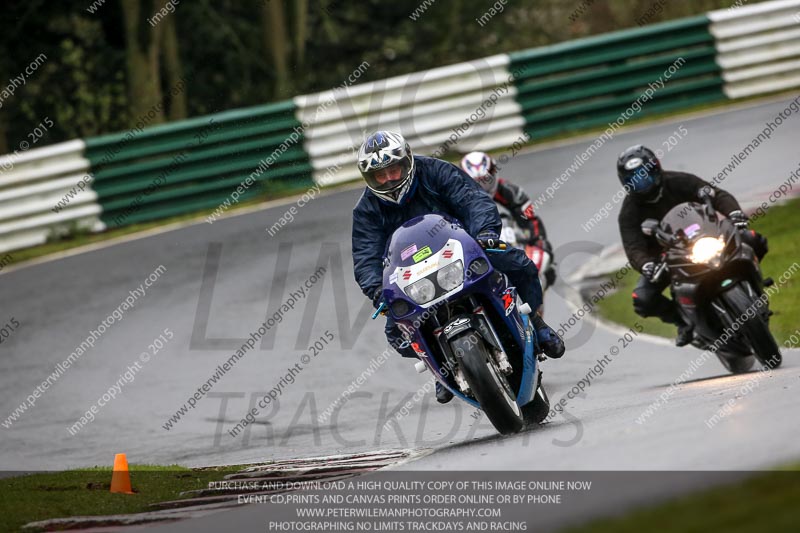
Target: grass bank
(765, 502)
(41, 496)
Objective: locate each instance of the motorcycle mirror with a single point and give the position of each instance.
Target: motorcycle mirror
(706, 194)
(649, 227)
(666, 239)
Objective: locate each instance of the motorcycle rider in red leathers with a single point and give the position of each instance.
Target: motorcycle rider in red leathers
(483, 169)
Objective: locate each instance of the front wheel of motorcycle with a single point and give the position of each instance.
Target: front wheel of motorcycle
(736, 363)
(488, 385)
(739, 300)
(536, 411)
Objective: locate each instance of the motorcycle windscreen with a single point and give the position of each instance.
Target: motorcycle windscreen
(691, 219)
(420, 238)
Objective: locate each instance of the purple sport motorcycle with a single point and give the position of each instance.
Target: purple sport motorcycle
(464, 321)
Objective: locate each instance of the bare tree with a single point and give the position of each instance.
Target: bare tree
(142, 43)
(173, 69)
(300, 31)
(276, 44)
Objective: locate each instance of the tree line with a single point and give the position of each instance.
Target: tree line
(110, 62)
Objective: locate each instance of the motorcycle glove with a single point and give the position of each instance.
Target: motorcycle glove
(738, 218)
(649, 270)
(377, 296)
(489, 239)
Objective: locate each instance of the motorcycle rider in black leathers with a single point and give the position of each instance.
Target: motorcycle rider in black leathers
(482, 168)
(401, 186)
(651, 193)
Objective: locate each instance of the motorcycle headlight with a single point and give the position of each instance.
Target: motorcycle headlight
(706, 250)
(451, 276)
(421, 291)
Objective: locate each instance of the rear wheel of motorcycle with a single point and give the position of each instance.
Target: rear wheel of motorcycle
(536, 411)
(755, 329)
(488, 385)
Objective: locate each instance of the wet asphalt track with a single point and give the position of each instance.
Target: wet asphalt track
(59, 302)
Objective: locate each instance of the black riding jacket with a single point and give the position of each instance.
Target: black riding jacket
(678, 187)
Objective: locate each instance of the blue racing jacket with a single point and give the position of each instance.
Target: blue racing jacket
(440, 188)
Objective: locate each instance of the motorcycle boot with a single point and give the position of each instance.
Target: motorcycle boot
(551, 343)
(443, 394)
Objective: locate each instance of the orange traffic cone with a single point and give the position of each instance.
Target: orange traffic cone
(121, 478)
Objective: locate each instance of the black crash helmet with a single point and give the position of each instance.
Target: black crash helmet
(639, 172)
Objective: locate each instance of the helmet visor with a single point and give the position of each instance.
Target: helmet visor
(640, 181)
(388, 178)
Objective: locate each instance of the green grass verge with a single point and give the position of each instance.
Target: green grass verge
(765, 502)
(35, 497)
(781, 225)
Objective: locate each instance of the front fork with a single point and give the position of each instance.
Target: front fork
(488, 332)
(480, 324)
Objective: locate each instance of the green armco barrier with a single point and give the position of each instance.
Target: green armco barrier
(271, 117)
(595, 50)
(589, 82)
(292, 162)
(180, 167)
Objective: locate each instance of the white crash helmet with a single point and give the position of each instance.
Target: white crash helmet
(481, 168)
(382, 150)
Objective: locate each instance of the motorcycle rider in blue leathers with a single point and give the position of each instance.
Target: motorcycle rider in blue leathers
(401, 186)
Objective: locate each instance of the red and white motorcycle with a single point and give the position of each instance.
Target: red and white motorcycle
(519, 238)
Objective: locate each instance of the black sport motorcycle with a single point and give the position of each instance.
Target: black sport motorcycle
(717, 284)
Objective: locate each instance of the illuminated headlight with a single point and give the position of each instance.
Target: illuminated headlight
(451, 276)
(421, 291)
(706, 250)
